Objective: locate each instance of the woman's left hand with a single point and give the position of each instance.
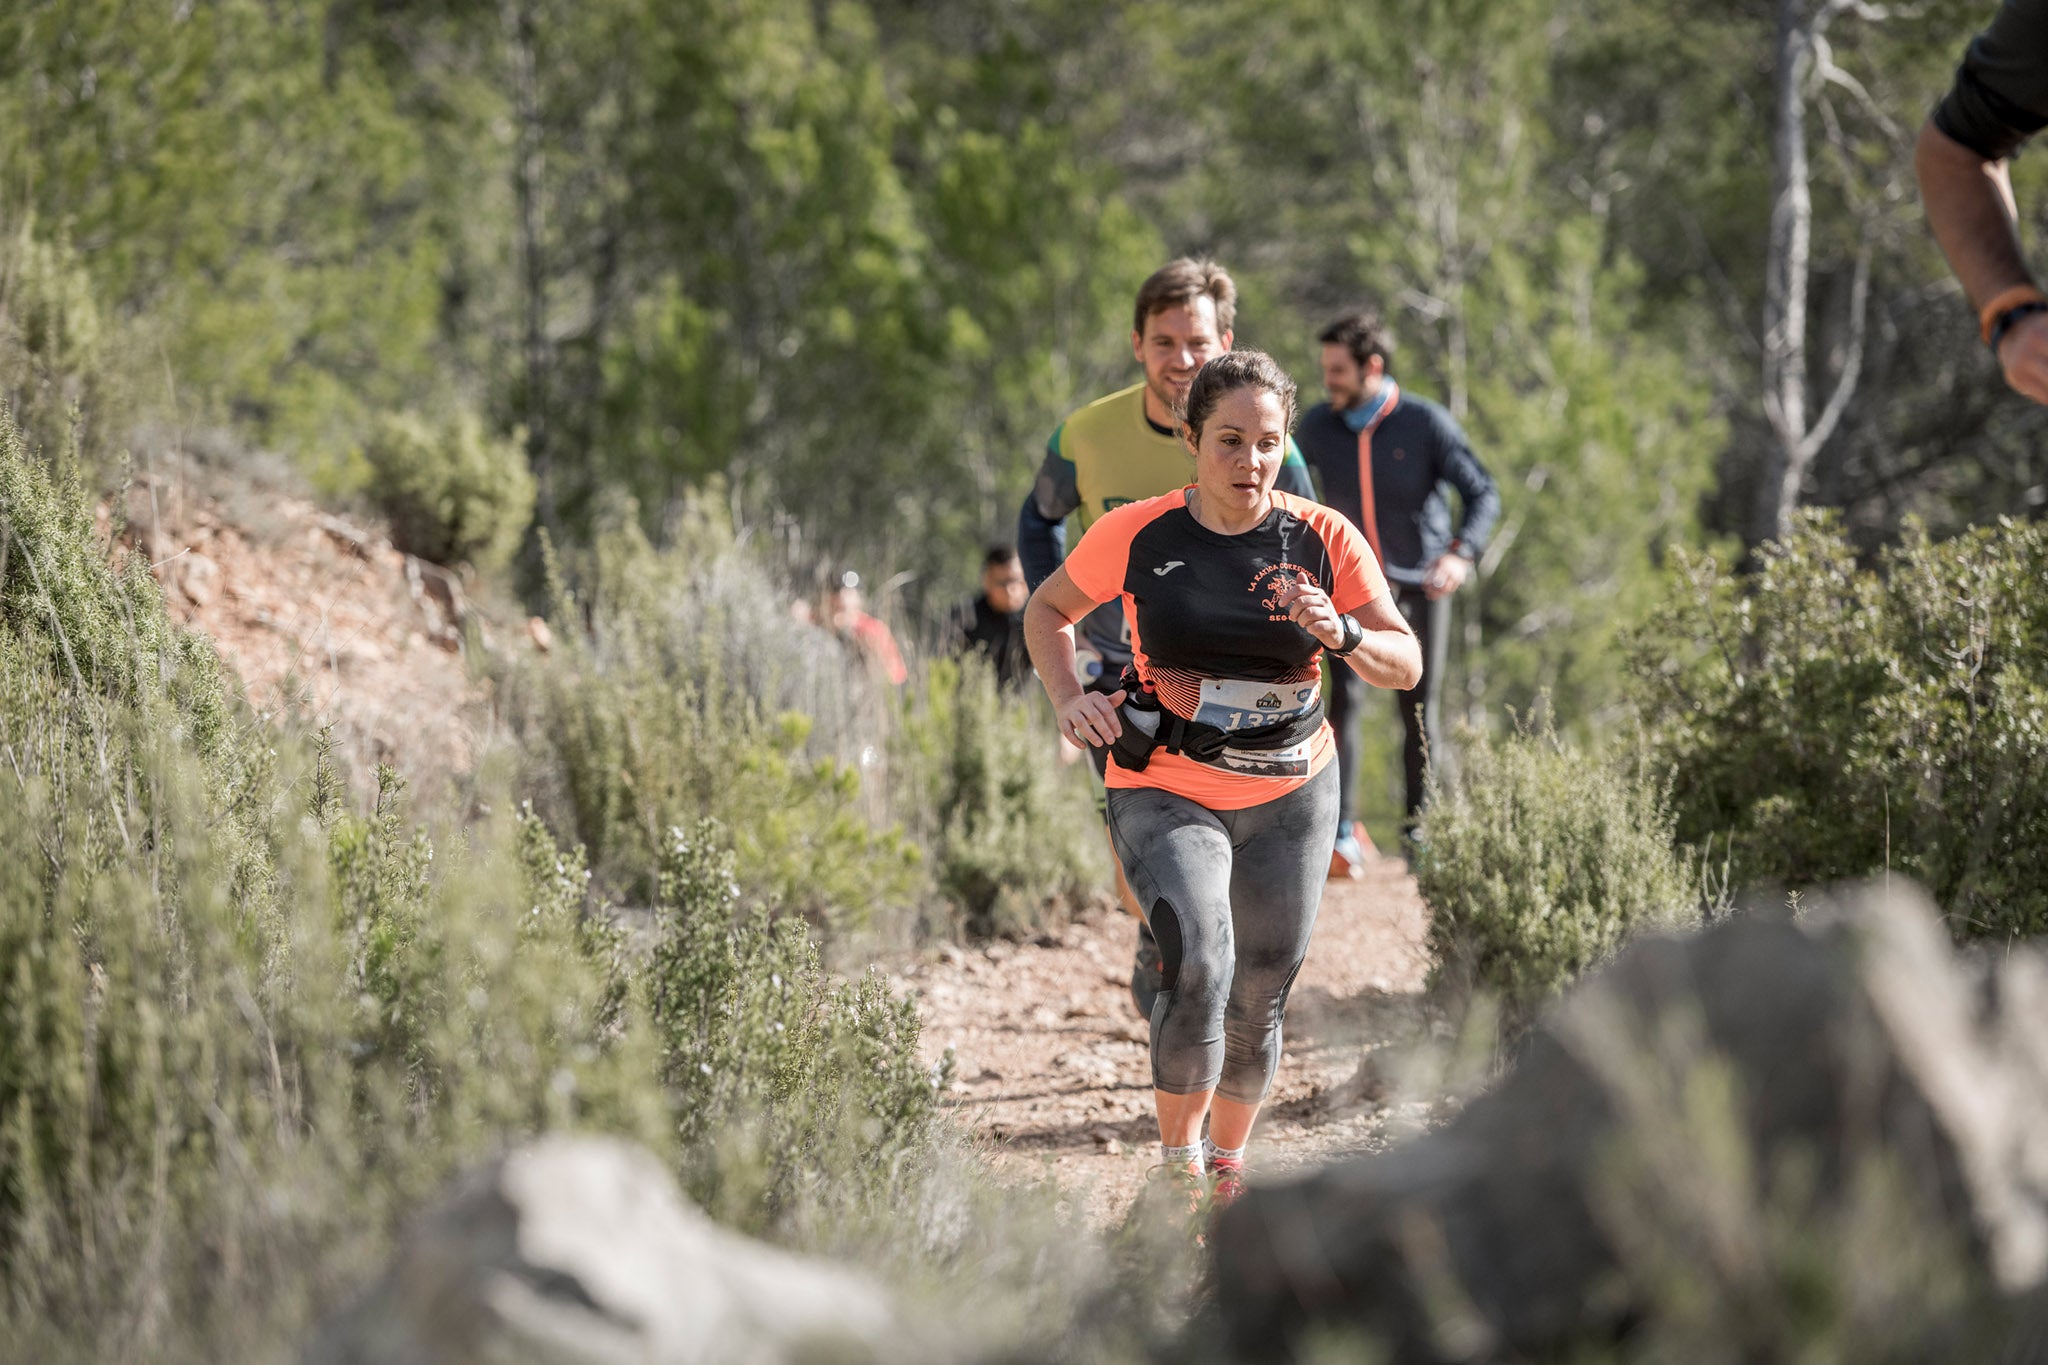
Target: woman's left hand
(1308, 606)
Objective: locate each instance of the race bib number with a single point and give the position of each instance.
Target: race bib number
(1238, 707)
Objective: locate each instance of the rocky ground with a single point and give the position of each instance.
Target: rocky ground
(323, 620)
(1050, 1059)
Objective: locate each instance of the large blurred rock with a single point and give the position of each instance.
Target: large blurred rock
(1843, 1087)
(582, 1250)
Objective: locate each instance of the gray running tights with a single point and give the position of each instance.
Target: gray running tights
(1231, 896)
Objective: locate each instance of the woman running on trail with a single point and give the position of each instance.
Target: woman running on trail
(1222, 792)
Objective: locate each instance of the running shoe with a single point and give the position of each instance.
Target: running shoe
(1148, 973)
(1353, 847)
(1226, 1182)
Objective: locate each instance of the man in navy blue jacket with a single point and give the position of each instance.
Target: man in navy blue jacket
(1384, 458)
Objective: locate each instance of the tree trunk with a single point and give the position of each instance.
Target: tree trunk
(1796, 438)
(527, 168)
(1785, 280)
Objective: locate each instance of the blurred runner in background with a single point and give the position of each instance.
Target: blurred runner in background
(1384, 458)
(866, 635)
(992, 623)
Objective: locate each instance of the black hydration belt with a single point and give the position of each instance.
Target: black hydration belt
(1147, 726)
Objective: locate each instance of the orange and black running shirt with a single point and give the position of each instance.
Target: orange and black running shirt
(1209, 636)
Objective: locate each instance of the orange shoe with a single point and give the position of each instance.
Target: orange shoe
(1226, 1183)
(1353, 848)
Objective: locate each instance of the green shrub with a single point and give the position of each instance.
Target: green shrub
(240, 1033)
(451, 491)
(798, 1099)
(1540, 863)
(55, 347)
(1823, 721)
(675, 694)
(681, 689)
(977, 774)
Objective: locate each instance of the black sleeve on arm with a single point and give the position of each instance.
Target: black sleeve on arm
(1476, 490)
(2000, 95)
(1041, 529)
(1041, 543)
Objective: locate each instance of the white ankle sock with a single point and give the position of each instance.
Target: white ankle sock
(1182, 1156)
(1211, 1153)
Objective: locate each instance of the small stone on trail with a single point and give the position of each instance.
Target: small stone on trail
(197, 577)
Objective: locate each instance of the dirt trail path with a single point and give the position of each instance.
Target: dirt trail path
(1051, 1062)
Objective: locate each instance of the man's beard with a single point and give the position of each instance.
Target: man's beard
(1173, 401)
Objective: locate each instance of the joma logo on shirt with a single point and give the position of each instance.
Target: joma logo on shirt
(1169, 567)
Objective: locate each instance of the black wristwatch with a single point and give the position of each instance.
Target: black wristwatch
(1354, 636)
(2002, 324)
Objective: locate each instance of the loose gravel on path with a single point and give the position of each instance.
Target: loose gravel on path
(1050, 1059)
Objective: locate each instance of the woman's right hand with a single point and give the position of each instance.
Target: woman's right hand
(1091, 718)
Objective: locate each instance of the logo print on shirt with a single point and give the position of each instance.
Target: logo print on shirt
(1169, 567)
(1271, 579)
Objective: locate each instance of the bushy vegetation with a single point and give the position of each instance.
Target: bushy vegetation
(452, 492)
(1826, 719)
(683, 689)
(801, 1098)
(1540, 862)
(1007, 828)
(246, 1028)
(58, 353)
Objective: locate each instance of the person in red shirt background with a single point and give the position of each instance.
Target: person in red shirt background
(845, 612)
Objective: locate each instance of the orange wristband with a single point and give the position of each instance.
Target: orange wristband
(1987, 316)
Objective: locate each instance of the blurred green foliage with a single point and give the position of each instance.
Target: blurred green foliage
(59, 358)
(683, 689)
(666, 702)
(803, 1097)
(451, 491)
(1827, 720)
(1540, 863)
(243, 1025)
(976, 780)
